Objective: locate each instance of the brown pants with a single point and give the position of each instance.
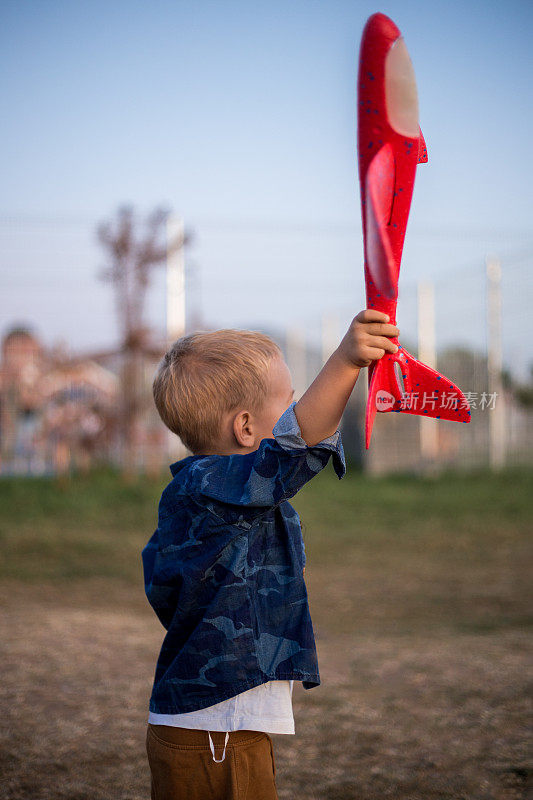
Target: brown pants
(182, 765)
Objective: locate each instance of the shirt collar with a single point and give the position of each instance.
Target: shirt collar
(179, 465)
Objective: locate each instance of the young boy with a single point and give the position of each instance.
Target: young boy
(224, 569)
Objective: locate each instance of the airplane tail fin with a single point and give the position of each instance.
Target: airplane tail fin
(399, 382)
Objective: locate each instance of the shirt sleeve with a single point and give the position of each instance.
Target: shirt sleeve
(274, 472)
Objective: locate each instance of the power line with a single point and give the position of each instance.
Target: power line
(282, 226)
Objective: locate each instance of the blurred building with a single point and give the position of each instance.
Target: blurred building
(55, 412)
(60, 413)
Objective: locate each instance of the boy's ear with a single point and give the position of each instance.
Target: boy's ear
(243, 429)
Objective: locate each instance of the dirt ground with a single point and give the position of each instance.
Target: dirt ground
(414, 716)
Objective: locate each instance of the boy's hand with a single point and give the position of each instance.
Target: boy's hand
(367, 338)
(320, 408)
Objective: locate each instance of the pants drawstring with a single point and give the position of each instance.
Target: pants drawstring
(211, 745)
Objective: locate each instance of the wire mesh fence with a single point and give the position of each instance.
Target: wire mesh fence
(61, 371)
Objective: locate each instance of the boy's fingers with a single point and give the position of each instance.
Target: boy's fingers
(375, 353)
(382, 329)
(381, 342)
(372, 315)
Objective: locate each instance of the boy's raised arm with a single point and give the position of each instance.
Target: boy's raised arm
(320, 408)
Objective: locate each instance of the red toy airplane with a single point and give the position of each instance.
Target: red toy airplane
(390, 145)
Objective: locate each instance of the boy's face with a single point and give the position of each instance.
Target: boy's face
(279, 398)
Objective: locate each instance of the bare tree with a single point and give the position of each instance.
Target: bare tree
(131, 260)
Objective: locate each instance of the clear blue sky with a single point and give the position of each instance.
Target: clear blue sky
(241, 117)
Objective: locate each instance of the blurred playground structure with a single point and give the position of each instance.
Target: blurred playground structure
(62, 412)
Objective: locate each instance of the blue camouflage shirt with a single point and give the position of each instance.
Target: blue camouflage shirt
(224, 571)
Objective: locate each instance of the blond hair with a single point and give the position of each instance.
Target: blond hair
(205, 375)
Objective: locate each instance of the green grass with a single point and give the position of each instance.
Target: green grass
(404, 554)
(96, 525)
(374, 511)
(93, 525)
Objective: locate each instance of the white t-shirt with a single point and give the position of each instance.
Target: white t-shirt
(267, 708)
